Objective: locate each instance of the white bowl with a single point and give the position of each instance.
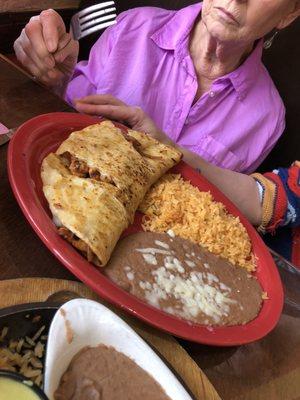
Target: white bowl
(93, 324)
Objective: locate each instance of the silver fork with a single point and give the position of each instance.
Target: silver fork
(93, 19)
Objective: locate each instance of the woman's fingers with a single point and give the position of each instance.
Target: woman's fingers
(67, 51)
(63, 47)
(112, 108)
(116, 112)
(31, 42)
(26, 60)
(53, 29)
(37, 43)
(34, 45)
(64, 41)
(101, 99)
(131, 116)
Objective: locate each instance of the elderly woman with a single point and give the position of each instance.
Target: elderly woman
(196, 72)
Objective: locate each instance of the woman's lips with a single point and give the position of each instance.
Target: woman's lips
(228, 16)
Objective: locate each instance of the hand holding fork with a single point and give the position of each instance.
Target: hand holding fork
(49, 52)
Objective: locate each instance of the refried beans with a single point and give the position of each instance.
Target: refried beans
(102, 373)
(185, 280)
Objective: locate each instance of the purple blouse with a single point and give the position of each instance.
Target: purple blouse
(144, 60)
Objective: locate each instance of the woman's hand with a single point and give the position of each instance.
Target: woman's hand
(108, 106)
(47, 50)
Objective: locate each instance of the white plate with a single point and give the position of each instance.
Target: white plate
(92, 324)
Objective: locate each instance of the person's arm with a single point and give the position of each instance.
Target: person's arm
(241, 189)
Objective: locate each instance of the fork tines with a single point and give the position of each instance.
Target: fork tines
(93, 18)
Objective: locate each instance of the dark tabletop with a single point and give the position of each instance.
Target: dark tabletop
(266, 370)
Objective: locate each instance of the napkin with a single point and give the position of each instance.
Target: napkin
(3, 129)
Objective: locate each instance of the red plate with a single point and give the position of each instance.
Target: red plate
(41, 135)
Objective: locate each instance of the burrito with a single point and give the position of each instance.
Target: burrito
(96, 180)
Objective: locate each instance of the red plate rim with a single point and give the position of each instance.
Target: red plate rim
(32, 141)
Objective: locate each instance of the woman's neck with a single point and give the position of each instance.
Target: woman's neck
(212, 58)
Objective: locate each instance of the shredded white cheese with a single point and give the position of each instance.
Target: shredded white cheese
(162, 244)
(191, 264)
(153, 250)
(171, 233)
(197, 292)
(150, 259)
(130, 276)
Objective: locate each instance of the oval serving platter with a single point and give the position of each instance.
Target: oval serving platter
(43, 134)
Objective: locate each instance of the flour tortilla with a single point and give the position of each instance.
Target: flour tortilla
(88, 209)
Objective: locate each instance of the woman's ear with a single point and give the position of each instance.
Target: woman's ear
(290, 17)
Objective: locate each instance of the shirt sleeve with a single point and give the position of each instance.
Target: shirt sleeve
(280, 197)
(86, 74)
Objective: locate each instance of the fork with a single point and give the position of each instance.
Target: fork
(93, 19)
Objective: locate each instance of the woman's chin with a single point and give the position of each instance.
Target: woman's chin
(223, 33)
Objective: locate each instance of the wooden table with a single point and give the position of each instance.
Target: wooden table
(265, 370)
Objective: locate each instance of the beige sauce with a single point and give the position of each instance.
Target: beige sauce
(13, 390)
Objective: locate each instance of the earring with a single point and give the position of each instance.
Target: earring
(268, 43)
